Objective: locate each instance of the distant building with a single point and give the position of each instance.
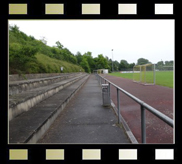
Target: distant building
(102, 71)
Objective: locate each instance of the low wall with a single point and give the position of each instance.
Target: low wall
(17, 77)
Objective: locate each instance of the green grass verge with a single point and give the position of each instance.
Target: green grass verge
(163, 78)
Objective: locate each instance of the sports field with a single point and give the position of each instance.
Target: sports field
(163, 78)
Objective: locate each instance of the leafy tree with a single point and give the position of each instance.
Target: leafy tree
(59, 45)
(169, 63)
(116, 65)
(123, 65)
(32, 38)
(79, 57)
(57, 53)
(85, 65)
(160, 65)
(141, 61)
(73, 59)
(14, 29)
(101, 62)
(90, 60)
(109, 61)
(131, 65)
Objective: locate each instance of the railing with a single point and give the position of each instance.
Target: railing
(143, 106)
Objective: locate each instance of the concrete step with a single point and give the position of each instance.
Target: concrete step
(16, 77)
(20, 86)
(24, 101)
(31, 125)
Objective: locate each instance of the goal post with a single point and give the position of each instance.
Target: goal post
(144, 74)
(136, 73)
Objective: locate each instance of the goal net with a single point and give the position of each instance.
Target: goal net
(144, 74)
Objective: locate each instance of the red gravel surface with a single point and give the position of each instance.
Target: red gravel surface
(156, 96)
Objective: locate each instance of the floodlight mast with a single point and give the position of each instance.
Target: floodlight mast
(112, 60)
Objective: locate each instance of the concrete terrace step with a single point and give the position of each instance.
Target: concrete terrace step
(24, 101)
(31, 125)
(86, 121)
(16, 77)
(21, 86)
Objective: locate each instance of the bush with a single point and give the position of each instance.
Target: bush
(20, 55)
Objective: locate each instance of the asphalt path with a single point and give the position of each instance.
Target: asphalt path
(85, 120)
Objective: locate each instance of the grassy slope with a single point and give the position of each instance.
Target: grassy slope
(53, 65)
(43, 64)
(164, 78)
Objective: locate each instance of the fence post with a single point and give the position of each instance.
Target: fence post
(109, 90)
(143, 128)
(154, 73)
(140, 74)
(118, 105)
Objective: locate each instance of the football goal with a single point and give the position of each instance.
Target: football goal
(144, 74)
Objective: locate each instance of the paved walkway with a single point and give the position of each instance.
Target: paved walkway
(85, 120)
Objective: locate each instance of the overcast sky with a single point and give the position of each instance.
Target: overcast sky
(129, 39)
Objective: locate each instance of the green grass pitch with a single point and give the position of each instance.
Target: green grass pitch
(163, 78)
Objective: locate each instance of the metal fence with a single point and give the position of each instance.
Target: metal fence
(143, 106)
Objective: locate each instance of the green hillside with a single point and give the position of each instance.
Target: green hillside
(28, 55)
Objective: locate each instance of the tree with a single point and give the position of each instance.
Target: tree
(85, 65)
(90, 60)
(123, 65)
(57, 53)
(101, 62)
(14, 29)
(160, 65)
(131, 65)
(116, 65)
(73, 59)
(79, 57)
(142, 61)
(59, 45)
(109, 61)
(66, 53)
(169, 63)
